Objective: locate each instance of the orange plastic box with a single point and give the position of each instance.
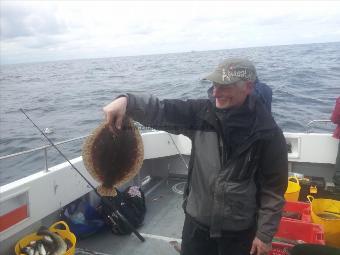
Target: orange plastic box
(301, 208)
(296, 231)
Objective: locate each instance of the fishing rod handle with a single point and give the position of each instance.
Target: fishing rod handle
(122, 217)
(125, 220)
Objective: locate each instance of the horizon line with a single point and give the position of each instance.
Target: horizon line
(156, 54)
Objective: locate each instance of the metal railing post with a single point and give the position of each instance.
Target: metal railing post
(45, 155)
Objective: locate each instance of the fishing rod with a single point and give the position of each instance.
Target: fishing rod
(105, 200)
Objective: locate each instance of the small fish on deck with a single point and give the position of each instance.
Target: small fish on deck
(59, 245)
(36, 248)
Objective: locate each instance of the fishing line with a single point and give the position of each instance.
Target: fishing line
(175, 187)
(179, 152)
(104, 199)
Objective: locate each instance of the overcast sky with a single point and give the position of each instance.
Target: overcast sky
(34, 31)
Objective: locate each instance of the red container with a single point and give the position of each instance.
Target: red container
(300, 208)
(296, 231)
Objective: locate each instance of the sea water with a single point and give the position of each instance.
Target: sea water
(65, 98)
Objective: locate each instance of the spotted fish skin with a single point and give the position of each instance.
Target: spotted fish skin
(112, 158)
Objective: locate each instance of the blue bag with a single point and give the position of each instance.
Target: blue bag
(83, 219)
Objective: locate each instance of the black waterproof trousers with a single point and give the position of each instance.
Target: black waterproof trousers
(196, 240)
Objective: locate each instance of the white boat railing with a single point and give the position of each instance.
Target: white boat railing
(47, 146)
(42, 148)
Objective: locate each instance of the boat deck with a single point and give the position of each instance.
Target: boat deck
(163, 223)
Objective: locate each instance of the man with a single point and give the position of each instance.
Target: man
(238, 167)
(335, 118)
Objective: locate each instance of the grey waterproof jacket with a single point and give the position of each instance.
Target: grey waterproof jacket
(229, 188)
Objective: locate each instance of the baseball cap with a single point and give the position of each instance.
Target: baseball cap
(233, 70)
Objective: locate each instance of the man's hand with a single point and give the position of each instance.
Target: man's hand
(260, 248)
(115, 112)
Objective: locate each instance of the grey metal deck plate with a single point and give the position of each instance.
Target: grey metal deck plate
(163, 222)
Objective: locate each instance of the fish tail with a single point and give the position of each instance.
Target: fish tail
(107, 192)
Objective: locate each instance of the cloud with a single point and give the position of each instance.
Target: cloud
(86, 29)
(24, 20)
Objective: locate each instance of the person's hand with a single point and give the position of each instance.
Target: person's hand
(115, 112)
(260, 248)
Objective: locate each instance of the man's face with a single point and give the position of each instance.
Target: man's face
(233, 95)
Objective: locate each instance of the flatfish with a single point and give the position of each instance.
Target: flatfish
(113, 158)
